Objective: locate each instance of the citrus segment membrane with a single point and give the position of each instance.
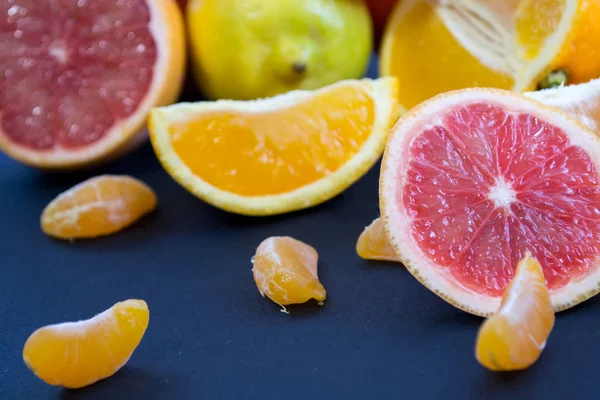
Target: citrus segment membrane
(270, 152)
(72, 69)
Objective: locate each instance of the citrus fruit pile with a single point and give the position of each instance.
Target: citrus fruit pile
(490, 198)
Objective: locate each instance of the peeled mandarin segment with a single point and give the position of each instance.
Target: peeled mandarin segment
(285, 270)
(514, 338)
(280, 154)
(77, 354)
(98, 206)
(373, 243)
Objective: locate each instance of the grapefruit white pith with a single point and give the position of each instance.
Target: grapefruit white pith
(78, 77)
(473, 179)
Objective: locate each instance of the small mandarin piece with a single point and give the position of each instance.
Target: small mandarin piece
(98, 206)
(514, 338)
(77, 354)
(285, 270)
(373, 243)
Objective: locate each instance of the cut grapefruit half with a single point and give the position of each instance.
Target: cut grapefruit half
(79, 77)
(473, 179)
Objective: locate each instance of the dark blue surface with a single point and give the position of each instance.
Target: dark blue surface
(212, 336)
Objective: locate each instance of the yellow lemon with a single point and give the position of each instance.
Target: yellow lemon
(248, 49)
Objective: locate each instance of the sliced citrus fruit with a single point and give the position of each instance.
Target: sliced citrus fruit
(278, 154)
(77, 354)
(285, 270)
(514, 338)
(78, 78)
(373, 243)
(96, 207)
(473, 179)
(437, 46)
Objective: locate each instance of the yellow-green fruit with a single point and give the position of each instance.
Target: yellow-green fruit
(248, 49)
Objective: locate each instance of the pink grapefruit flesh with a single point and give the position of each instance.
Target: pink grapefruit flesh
(71, 72)
(473, 180)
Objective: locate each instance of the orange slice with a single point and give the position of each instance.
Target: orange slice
(77, 354)
(285, 270)
(96, 207)
(436, 46)
(373, 243)
(278, 154)
(78, 78)
(514, 338)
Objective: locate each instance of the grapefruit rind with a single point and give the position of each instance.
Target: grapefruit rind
(168, 31)
(397, 222)
(384, 94)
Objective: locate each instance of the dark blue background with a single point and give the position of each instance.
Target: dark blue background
(212, 336)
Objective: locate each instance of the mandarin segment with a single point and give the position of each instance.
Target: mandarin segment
(514, 338)
(98, 206)
(77, 354)
(285, 270)
(373, 243)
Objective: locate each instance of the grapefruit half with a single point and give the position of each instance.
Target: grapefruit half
(474, 179)
(78, 77)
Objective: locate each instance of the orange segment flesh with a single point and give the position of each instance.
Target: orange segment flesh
(438, 62)
(514, 338)
(285, 270)
(276, 151)
(373, 243)
(96, 207)
(77, 354)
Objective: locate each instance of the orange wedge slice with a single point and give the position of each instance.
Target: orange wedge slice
(514, 338)
(278, 154)
(77, 354)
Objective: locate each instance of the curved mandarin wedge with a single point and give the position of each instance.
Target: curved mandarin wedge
(373, 243)
(77, 354)
(285, 270)
(98, 206)
(514, 338)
